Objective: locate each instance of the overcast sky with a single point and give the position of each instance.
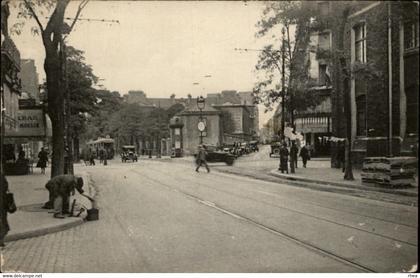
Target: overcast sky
(163, 48)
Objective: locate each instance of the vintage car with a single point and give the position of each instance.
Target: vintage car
(216, 155)
(275, 149)
(128, 153)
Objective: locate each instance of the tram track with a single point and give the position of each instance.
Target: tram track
(277, 232)
(202, 184)
(221, 173)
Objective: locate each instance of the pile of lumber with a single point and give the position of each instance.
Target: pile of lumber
(389, 171)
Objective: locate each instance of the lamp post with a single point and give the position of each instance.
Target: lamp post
(201, 103)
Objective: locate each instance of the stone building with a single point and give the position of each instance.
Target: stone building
(10, 85)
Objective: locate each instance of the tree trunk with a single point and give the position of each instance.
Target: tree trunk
(348, 174)
(55, 109)
(51, 38)
(76, 146)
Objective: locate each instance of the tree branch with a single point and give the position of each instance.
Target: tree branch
(31, 10)
(82, 5)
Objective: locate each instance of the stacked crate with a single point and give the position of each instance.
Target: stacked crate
(389, 171)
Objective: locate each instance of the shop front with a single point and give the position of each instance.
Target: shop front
(22, 144)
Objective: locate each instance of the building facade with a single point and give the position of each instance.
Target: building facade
(371, 48)
(314, 123)
(383, 51)
(10, 86)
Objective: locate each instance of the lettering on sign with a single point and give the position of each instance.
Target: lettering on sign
(29, 123)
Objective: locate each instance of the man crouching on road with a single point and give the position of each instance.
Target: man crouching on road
(60, 187)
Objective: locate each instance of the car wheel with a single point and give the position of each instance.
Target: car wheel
(229, 161)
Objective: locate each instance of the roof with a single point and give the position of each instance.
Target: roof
(192, 108)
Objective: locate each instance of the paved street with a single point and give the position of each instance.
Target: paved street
(164, 217)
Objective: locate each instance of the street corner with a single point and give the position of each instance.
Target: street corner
(289, 176)
(26, 223)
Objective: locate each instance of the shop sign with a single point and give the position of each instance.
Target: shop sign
(30, 123)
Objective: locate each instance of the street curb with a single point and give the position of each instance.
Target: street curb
(44, 231)
(56, 228)
(342, 185)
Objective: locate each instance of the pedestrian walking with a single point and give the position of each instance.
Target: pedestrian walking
(294, 150)
(59, 188)
(341, 155)
(201, 158)
(101, 155)
(284, 154)
(304, 153)
(85, 156)
(92, 158)
(43, 160)
(105, 158)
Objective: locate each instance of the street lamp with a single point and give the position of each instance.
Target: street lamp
(201, 103)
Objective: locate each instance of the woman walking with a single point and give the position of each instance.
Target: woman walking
(43, 159)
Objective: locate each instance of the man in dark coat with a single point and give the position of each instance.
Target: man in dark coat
(201, 158)
(294, 154)
(284, 154)
(304, 153)
(341, 155)
(4, 211)
(59, 188)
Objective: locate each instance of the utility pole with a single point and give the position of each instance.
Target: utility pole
(283, 93)
(158, 155)
(68, 155)
(390, 132)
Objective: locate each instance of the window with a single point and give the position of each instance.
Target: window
(412, 110)
(324, 8)
(361, 115)
(322, 75)
(411, 35)
(360, 42)
(324, 41)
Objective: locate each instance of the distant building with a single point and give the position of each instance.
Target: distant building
(229, 116)
(140, 98)
(29, 77)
